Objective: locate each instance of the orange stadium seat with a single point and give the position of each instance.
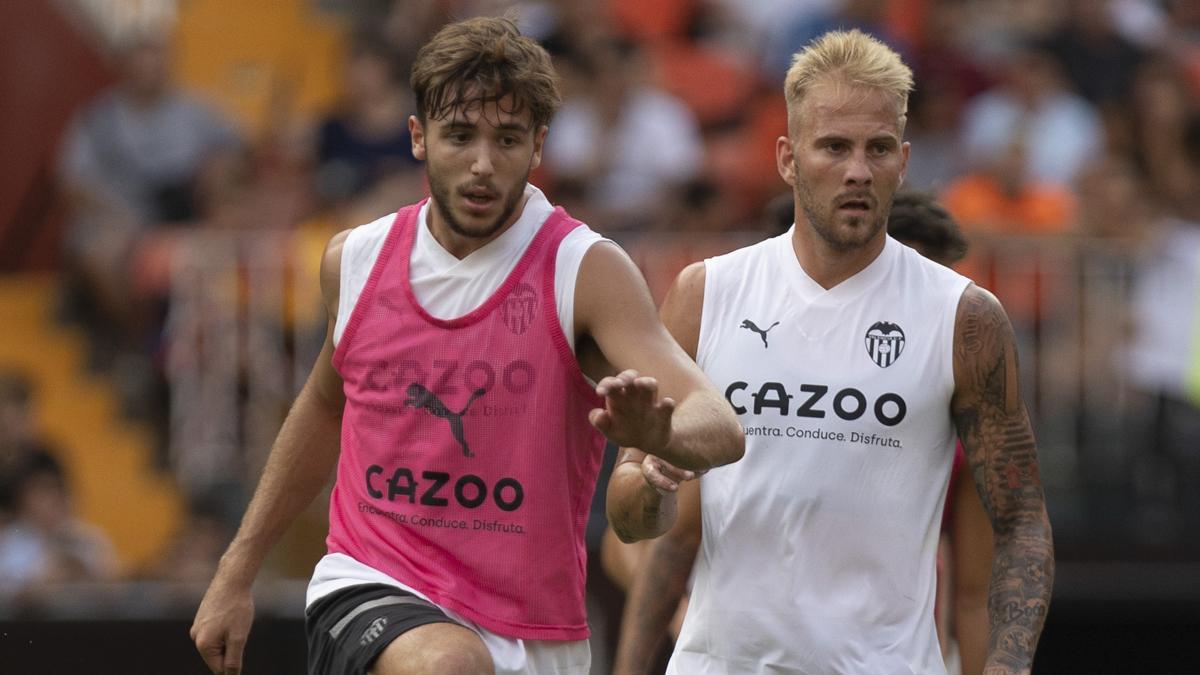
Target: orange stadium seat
(261, 61)
(652, 21)
(712, 83)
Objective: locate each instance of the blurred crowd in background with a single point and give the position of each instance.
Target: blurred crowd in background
(1063, 136)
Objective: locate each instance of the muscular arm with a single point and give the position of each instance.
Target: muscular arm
(301, 461)
(995, 431)
(636, 510)
(614, 308)
(658, 586)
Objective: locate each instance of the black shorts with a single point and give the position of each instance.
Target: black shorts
(348, 629)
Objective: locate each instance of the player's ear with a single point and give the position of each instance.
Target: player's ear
(417, 131)
(785, 160)
(539, 141)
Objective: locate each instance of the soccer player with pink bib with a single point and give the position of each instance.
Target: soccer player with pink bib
(481, 345)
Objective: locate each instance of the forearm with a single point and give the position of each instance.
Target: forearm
(704, 433)
(652, 602)
(635, 509)
(1019, 596)
(300, 463)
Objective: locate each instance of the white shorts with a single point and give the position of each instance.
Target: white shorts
(510, 656)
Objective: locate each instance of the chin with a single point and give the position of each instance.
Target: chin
(478, 227)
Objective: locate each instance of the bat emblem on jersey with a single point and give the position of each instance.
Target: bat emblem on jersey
(421, 398)
(762, 333)
(885, 342)
(519, 308)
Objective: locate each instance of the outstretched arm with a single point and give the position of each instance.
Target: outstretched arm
(660, 401)
(641, 493)
(996, 434)
(300, 463)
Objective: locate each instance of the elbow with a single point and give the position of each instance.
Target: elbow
(628, 533)
(733, 448)
(626, 536)
(739, 444)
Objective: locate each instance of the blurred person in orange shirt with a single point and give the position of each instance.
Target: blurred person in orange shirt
(1003, 199)
(997, 202)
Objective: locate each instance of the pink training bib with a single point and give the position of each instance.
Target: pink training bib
(468, 464)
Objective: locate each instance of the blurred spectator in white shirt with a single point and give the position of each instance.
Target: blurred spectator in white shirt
(1062, 130)
(631, 146)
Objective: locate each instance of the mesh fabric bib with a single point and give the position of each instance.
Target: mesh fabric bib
(468, 464)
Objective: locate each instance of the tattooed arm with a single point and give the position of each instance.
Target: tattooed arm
(994, 428)
(659, 585)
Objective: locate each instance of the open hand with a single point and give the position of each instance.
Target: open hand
(633, 415)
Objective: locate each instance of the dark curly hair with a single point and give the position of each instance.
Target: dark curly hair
(482, 60)
(916, 219)
(919, 221)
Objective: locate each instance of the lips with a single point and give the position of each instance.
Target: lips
(855, 204)
(479, 198)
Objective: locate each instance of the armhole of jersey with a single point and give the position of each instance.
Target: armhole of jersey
(567, 262)
(704, 343)
(359, 253)
(962, 284)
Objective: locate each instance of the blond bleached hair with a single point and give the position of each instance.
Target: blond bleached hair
(850, 57)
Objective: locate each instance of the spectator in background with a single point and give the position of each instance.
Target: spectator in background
(46, 543)
(1161, 106)
(1117, 220)
(196, 549)
(1002, 197)
(1061, 131)
(951, 77)
(1096, 59)
(19, 444)
(1164, 357)
(1001, 200)
(627, 146)
(869, 16)
(933, 128)
(143, 156)
(364, 150)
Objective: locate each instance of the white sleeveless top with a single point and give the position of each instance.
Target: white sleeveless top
(819, 546)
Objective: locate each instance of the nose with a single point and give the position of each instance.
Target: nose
(858, 170)
(482, 166)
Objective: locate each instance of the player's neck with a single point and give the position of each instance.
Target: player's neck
(460, 245)
(829, 266)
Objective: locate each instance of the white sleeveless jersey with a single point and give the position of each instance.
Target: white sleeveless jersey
(819, 547)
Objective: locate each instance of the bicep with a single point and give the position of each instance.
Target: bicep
(324, 376)
(681, 309)
(991, 419)
(615, 309)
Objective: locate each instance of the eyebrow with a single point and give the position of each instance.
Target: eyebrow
(830, 138)
(503, 126)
